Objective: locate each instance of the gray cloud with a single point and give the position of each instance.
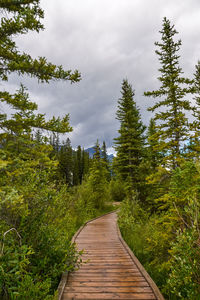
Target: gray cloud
(106, 41)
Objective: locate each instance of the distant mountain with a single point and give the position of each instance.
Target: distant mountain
(91, 152)
(110, 157)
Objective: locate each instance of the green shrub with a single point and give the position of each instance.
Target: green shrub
(184, 276)
(29, 288)
(117, 190)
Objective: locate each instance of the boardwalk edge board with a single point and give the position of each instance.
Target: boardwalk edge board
(62, 284)
(65, 275)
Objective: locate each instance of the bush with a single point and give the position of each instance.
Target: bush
(117, 190)
(184, 277)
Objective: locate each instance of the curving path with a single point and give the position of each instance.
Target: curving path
(111, 271)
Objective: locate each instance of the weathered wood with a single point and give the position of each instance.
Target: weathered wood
(111, 278)
(109, 271)
(62, 285)
(108, 283)
(94, 296)
(98, 289)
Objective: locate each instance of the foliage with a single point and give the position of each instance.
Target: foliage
(184, 277)
(18, 19)
(44, 217)
(97, 179)
(14, 278)
(117, 189)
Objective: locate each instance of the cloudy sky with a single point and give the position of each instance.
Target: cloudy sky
(106, 41)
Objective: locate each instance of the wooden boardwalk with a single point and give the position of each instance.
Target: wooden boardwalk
(111, 271)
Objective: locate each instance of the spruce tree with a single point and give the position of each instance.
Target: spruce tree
(130, 143)
(97, 152)
(154, 156)
(173, 123)
(105, 159)
(98, 178)
(85, 163)
(197, 88)
(104, 152)
(79, 161)
(194, 145)
(75, 169)
(66, 162)
(81, 165)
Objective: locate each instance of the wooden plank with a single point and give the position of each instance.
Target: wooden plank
(109, 274)
(99, 259)
(110, 277)
(100, 252)
(108, 283)
(108, 265)
(103, 270)
(99, 289)
(95, 296)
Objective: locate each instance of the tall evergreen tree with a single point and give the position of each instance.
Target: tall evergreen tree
(97, 152)
(130, 143)
(56, 143)
(79, 161)
(104, 152)
(38, 136)
(66, 162)
(153, 155)
(98, 178)
(81, 165)
(105, 159)
(173, 124)
(75, 169)
(85, 163)
(197, 89)
(194, 146)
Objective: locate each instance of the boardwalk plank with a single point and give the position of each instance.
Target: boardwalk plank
(95, 296)
(107, 289)
(111, 277)
(108, 283)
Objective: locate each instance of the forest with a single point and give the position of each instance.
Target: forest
(48, 189)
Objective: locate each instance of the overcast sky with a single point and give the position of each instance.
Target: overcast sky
(106, 41)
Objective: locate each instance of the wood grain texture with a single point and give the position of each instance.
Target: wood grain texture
(109, 271)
